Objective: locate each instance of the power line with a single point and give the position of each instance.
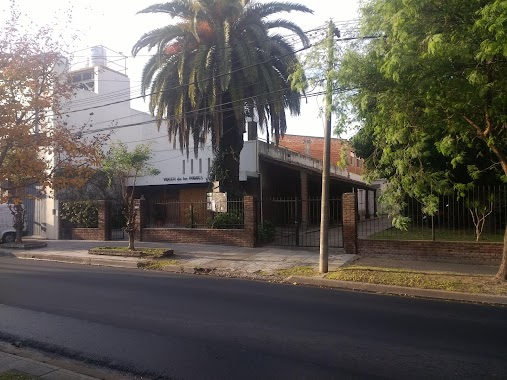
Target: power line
(127, 92)
(116, 93)
(194, 111)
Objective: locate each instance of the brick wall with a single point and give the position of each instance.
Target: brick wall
(349, 223)
(444, 251)
(459, 252)
(87, 234)
(198, 236)
(102, 232)
(314, 147)
(245, 237)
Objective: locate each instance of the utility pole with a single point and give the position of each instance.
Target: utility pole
(324, 208)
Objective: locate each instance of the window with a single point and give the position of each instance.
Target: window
(209, 164)
(200, 165)
(84, 80)
(191, 166)
(183, 171)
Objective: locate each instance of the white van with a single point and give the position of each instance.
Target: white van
(7, 231)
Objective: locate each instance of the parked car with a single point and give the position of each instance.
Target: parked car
(7, 231)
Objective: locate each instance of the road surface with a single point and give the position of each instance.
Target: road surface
(201, 327)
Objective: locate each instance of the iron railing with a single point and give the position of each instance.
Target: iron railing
(477, 214)
(195, 214)
(297, 221)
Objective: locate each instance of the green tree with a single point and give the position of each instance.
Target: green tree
(125, 168)
(221, 60)
(431, 93)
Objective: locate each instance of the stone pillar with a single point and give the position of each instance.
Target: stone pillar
(350, 223)
(250, 222)
(375, 210)
(104, 225)
(367, 204)
(140, 207)
(304, 197)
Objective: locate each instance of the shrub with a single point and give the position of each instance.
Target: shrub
(226, 220)
(266, 232)
(81, 213)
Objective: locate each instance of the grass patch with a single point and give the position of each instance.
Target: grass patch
(157, 264)
(297, 271)
(442, 234)
(14, 375)
(422, 280)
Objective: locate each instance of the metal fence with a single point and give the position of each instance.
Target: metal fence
(117, 221)
(297, 221)
(195, 214)
(478, 214)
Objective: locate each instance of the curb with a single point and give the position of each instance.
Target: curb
(76, 367)
(99, 261)
(399, 290)
(296, 280)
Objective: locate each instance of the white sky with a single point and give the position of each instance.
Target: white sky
(114, 24)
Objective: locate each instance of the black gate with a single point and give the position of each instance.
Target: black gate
(297, 221)
(117, 221)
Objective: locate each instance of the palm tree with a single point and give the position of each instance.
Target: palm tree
(221, 60)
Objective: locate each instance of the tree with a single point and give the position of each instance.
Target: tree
(220, 61)
(126, 168)
(431, 93)
(37, 147)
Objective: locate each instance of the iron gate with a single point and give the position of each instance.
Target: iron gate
(117, 221)
(297, 221)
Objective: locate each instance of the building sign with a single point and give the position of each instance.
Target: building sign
(184, 179)
(216, 202)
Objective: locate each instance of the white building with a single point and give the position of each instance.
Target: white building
(102, 103)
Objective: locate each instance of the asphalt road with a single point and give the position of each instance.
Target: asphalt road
(200, 327)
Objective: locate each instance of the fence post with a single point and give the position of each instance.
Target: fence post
(349, 223)
(104, 216)
(250, 219)
(140, 207)
(296, 217)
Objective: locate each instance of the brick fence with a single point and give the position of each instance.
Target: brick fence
(245, 237)
(446, 251)
(102, 231)
(87, 234)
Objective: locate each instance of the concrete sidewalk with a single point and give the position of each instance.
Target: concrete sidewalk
(31, 369)
(26, 363)
(210, 257)
(260, 262)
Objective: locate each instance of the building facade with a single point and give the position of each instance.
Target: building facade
(101, 105)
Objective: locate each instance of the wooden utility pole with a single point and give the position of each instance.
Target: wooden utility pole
(324, 209)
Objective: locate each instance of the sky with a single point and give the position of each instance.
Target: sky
(115, 25)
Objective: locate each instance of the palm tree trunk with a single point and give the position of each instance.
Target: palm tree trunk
(231, 144)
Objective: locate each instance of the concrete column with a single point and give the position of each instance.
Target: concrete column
(250, 219)
(375, 210)
(367, 204)
(304, 196)
(349, 223)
